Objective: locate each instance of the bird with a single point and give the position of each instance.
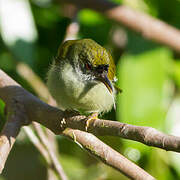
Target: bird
(82, 77)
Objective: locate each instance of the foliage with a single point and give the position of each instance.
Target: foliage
(148, 73)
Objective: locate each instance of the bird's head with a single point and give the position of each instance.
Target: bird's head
(94, 61)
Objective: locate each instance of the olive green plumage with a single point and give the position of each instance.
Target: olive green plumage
(81, 77)
(88, 49)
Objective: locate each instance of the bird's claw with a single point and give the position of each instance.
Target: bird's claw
(92, 117)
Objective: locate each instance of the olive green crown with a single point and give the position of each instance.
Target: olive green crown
(88, 50)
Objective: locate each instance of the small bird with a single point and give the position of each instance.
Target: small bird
(81, 77)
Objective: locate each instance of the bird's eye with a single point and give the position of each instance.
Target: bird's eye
(88, 66)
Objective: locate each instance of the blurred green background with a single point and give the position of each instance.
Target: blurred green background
(148, 73)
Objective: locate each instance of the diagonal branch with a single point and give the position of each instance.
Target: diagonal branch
(106, 154)
(149, 27)
(34, 139)
(50, 151)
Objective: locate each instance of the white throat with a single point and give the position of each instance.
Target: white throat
(73, 89)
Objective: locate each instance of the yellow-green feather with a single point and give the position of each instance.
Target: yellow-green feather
(88, 49)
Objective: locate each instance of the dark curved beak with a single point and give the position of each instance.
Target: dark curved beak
(104, 79)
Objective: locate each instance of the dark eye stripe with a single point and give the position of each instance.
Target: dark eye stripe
(103, 67)
(106, 67)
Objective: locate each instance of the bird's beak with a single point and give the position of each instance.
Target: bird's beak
(104, 79)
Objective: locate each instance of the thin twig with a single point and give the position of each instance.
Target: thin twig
(52, 154)
(33, 138)
(37, 144)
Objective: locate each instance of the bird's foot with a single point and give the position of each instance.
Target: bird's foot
(92, 117)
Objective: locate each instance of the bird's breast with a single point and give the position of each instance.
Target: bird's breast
(71, 91)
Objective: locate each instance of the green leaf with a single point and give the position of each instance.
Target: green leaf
(143, 79)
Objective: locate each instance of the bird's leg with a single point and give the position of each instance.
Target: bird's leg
(91, 117)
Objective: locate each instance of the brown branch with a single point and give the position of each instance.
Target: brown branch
(106, 154)
(149, 27)
(49, 116)
(16, 118)
(146, 135)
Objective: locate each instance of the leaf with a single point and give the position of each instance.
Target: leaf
(143, 79)
(18, 30)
